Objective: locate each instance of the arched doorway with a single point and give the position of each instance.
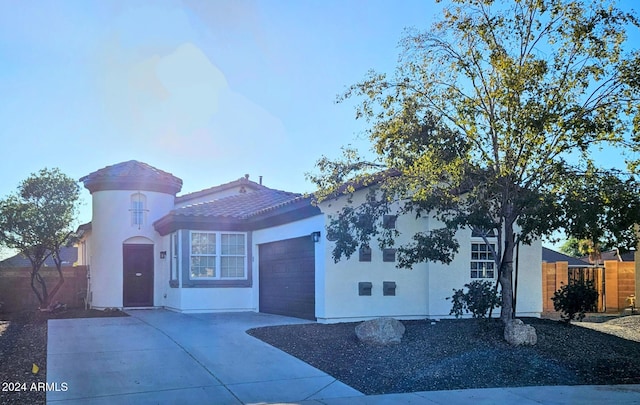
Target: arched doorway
(137, 277)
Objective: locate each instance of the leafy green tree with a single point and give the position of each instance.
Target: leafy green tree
(37, 222)
(479, 124)
(601, 210)
(572, 247)
(582, 247)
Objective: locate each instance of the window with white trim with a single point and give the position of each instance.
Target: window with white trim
(138, 209)
(482, 263)
(218, 256)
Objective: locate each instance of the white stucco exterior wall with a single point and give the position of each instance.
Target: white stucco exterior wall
(216, 299)
(196, 299)
(111, 227)
(171, 297)
(444, 278)
(84, 259)
(422, 291)
(168, 297)
(529, 294)
(343, 302)
(84, 249)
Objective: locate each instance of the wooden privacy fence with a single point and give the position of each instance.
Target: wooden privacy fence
(16, 293)
(615, 282)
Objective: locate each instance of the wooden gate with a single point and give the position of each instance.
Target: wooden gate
(615, 282)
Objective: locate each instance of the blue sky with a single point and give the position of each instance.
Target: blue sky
(206, 90)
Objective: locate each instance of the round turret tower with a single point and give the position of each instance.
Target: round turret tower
(123, 250)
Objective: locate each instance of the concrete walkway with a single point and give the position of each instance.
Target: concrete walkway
(162, 357)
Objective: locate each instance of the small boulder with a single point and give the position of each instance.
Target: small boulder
(380, 331)
(517, 333)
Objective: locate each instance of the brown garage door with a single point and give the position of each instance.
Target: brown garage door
(287, 278)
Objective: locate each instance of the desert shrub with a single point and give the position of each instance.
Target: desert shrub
(574, 299)
(478, 300)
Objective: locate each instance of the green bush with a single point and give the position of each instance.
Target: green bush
(479, 299)
(574, 299)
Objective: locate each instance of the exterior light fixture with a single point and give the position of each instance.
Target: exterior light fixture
(163, 254)
(315, 236)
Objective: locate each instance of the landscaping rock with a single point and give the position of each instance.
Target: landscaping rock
(380, 331)
(517, 333)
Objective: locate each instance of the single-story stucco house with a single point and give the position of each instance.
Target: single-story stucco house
(242, 246)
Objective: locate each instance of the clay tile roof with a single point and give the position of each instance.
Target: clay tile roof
(132, 175)
(240, 206)
(243, 181)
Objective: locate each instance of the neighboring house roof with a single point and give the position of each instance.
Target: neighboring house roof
(243, 183)
(69, 256)
(83, 228)
(82, 231)
(615, 255)
(132, 175)
(258, 209)
(551, 256)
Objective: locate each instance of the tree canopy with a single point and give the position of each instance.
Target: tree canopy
(601, 212)
(489, 120)
(37, 222)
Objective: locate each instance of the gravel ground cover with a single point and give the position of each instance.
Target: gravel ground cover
(23, 342)
(459, 354)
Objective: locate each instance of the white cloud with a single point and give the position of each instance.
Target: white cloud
(182, 101)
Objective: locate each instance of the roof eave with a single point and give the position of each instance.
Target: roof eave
(171, 223)
(289, 213)
(102, 184)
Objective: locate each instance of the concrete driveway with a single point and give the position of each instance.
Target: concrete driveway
(158, 356)
(162, 357)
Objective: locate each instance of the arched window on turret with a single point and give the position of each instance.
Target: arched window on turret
(138, 209)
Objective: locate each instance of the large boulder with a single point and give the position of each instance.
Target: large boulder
(517, 333)
(380, 331)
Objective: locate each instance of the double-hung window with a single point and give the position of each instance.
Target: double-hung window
(218, 256)
(482, 263)
(232, 255)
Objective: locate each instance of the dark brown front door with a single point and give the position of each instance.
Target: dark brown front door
(287, 278)
(137, 288)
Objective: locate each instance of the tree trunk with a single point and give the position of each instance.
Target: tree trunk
(42, 297)
(56, 288)
(506, 274)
